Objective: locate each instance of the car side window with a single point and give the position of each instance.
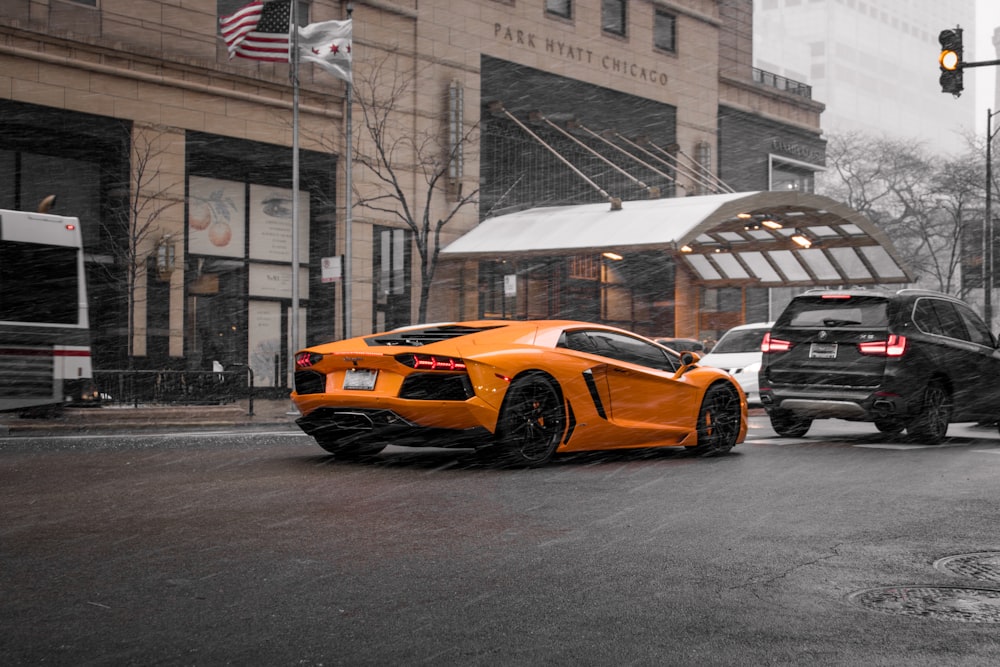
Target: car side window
(926, 318)
(978, 331)
(620, 347)
(579, 341)
(951, 322)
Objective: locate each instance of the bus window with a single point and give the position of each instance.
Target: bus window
(38, 283)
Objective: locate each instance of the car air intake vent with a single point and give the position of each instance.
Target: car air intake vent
(310, 382)
(425, 336)
(436, 387)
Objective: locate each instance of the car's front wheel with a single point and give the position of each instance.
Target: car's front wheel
(532, 421)
(930, 425)
(718, 421)
(787, 425)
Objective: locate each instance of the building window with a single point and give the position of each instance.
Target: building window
(791, 177)
(391, 282)
(563, 8)
(613, 17)
(88, 3)
(665, 31)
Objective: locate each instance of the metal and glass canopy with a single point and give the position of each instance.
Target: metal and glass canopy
(758, 238)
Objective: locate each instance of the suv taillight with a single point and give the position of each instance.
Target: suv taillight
(894, 346)
(770, 344)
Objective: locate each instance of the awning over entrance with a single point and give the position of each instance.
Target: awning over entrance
(765, 238)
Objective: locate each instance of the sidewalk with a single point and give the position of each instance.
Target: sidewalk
(113, 419)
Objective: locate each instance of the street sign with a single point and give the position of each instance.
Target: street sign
(331, 271)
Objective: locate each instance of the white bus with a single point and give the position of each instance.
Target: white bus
(44, 329)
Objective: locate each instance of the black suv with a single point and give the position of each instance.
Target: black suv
(911, 359)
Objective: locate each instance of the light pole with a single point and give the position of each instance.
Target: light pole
(988, 225)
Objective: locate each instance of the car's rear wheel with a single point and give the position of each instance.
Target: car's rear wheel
(930, 426)
(718, 421)
(787, 425)
(349, 451)
(532, 421)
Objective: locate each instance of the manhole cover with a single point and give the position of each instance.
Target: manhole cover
(972, 605)
(982, 566)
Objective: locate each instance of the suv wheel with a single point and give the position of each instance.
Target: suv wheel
(931, 424)
(788, 425)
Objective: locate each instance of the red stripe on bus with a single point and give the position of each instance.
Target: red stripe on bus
(43, 353)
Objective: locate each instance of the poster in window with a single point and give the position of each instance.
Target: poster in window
(216, 217)
(271, 224)
(275, 280)
(264, 341)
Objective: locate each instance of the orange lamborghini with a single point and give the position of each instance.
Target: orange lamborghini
(524, 389)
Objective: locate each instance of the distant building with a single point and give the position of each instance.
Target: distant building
(874, 64)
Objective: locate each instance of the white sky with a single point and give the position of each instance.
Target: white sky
(987, 18)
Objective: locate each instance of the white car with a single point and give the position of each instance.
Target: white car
(738, 352)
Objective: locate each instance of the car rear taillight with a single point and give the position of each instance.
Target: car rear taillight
(770, 344)
(430, 362)
(894, 346)
(305, 360)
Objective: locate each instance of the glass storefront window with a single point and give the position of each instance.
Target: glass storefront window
(791, 178)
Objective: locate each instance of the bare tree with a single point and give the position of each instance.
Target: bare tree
(924, 203)
(138, 222)
(399, 151)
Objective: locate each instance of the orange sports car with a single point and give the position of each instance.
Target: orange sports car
(523, 389)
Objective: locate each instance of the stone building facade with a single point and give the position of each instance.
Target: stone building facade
(178, 160)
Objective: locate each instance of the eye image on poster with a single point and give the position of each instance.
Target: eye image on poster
(216, 217)
(271, 224)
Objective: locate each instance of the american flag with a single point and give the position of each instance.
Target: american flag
(259, 31)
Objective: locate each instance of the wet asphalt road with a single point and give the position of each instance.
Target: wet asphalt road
(256, 548)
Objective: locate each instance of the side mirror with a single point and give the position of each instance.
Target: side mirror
(688, 358)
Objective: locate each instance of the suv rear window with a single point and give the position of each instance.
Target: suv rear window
(826, 312)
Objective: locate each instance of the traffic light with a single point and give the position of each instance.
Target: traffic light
(951, 61)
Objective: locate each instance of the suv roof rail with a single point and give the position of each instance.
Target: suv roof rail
(924, 290)
(849, 288)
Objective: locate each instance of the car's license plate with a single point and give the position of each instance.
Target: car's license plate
(823, 351)
(360, 378)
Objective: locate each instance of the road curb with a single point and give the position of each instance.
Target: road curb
(126, 418)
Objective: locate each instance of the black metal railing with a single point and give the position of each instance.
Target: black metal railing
(125, 387)
(782, 83)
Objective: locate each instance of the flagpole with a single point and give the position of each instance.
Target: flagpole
(293, 326)
(348, 198)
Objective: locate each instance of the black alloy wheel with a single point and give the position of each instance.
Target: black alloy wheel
(718, 421)
(930, 426)
(787, 425)
(532, 421)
